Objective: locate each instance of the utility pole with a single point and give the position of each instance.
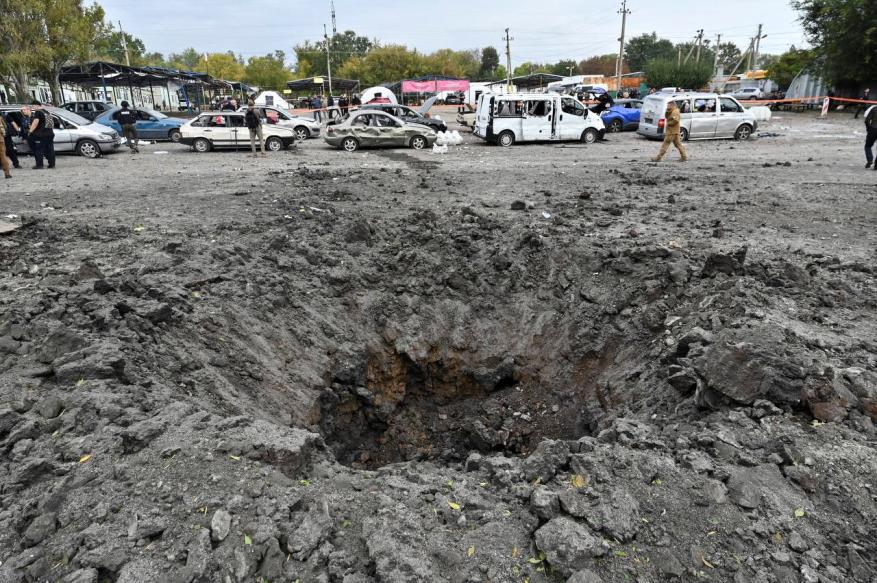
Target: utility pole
(699, 44)
(748, 52)
(508, 59)
(334, 24)
(619, 63)
(328, 58)
(716, 60)
(695, 44)
(124, 44)
(679, 57)
(758, 38)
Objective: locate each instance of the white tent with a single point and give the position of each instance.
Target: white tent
(376, 92)
(273, 99)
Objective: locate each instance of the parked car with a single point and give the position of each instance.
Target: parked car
(227, 129)
(411, 115)
(151, 124)
(704, 116)
(622, 116)
(87, 109)
(535, 117)
(747, 93)
(374, 128)
(454, 99)
(73, 133)
(303, 127)
(466, 116)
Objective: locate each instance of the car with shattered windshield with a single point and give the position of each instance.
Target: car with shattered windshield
(376, 129)
(411, 115)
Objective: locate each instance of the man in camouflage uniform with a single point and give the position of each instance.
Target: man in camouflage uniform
(672, 134)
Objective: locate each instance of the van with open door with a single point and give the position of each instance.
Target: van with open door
(535, 117)
(704, 116)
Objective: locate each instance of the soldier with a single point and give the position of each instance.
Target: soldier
(871, 135)
(127, 118)
(672, 134)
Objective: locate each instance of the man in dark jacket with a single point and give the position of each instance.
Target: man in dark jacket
(871, 136)
(42, 136)
(254, 124)
(127, 118)
(866, 95)
(12, 129)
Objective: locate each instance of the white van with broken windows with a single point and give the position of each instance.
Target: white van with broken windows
(535, 117)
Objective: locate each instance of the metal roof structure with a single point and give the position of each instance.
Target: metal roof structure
(311, 82)
(113, 74)
(531, 81)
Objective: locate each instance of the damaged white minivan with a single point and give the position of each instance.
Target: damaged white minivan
(535, 117)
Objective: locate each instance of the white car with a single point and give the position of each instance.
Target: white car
(228, 129)
(303, 127)
(746, 93)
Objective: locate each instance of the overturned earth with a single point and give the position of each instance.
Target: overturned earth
(371, 369)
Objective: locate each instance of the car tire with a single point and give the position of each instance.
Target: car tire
(88, 149)
(350, 144)
(202, 146)
(506, 139)
(175, 136)
(302, 133)
(590, 135)
(418, 143)
(743, 133)
(616, 126)
(273, 144)
(683, 134)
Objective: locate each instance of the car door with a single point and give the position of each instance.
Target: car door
(147, 126)
(364, 127)
(240, 134)
(704, 118)
(536, 123)
(730, 115)
(390, 130)
(218, 131)
(572, 119)
(63, 141)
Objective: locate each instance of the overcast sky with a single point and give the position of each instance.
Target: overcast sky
(543, 30)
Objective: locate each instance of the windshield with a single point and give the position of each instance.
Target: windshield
(73, 118)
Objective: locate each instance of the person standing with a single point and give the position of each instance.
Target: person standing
(4, 163)
(672, 133)
(344, 104)
(127, 118)
(871, 135)
(254, 124)
(12, 129)
(316, 104)
(42, 136)
(356, 101)
(866, 95)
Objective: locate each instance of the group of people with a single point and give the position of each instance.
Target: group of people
(334, 107)
(34, 125)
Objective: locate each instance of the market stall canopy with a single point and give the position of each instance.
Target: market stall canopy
(311, 83)
(103, 72)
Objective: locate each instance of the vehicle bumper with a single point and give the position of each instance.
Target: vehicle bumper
(334, 141)
(187, 141)
(111, 145)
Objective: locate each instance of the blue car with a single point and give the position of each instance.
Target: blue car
(622, 116)
(151, 124)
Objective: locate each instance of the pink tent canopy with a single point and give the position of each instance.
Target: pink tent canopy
(437, 86)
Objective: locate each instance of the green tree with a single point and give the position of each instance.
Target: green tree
(729, 55)
(601, 65)
(647, 47)
(268, 72)
(529, 68)
(565, 67)
(451, 63)
(789, 64)
(221, 66)
(383, 64)
(70, 31)
(186, 61)
(489, 62)
(311, 56)
(670, 73)
(110, 45)
(22, 44)
(844, 34)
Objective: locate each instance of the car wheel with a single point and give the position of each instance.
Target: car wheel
(350, 144)
(683, 135)
(88, 149)
(175, 136)
(589, 136)
(201, 145)
(418, 143)
(302, 133)
(506, 139)
(616, 126)
(274, 144)
(743, 133)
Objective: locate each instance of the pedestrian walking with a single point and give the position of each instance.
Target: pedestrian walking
(866, 95)
(672, 134)
(12, 129)
(42, 136)
(254, 124)
(4, 162)
(871, 135)
(127, 118)
(316, 104)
